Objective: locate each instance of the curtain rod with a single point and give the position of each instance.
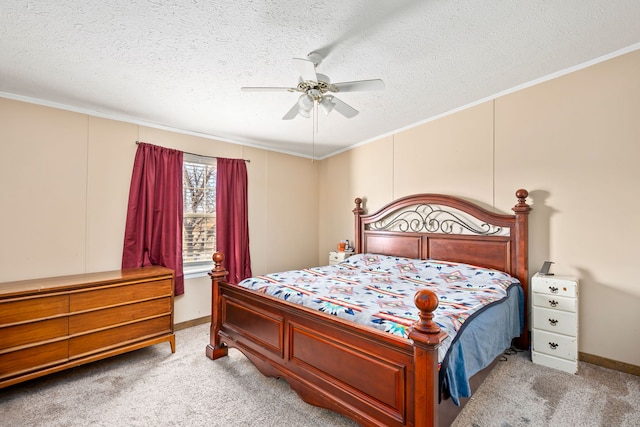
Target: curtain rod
(199, 155)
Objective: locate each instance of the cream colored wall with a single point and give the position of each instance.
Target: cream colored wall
(407, 163)
(424, 164)
(64, 185)
(576, 140)
(362, 172)
(573, 142)
(45, 157)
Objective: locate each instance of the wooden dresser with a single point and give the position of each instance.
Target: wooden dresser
(51, 324)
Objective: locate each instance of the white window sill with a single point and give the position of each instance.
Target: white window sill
(197, 271)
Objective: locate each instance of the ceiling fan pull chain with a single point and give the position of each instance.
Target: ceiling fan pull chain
(313, 134)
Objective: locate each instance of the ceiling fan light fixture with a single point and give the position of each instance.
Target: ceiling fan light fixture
(327, 104)
(305, 102)
(305, 105)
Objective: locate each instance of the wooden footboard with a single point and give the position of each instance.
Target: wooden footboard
(372, 377)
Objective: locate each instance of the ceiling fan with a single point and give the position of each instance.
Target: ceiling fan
(316, 88)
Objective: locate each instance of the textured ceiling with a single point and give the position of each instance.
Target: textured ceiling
(180, 64)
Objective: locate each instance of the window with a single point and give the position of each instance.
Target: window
(199, 219)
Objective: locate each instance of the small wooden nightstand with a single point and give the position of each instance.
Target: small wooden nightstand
(336, 257)
(555, 322)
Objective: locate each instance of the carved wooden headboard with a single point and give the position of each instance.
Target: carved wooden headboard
(448, 228)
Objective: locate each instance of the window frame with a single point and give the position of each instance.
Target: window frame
(197, 268)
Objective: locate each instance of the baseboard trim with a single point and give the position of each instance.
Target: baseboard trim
(193, 322)
(627, 368)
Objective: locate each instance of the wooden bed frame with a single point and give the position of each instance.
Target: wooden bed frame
(372, 377)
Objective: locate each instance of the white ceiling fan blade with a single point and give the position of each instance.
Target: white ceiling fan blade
(292, 113)
(360, 85)
(268, 89)
(306, 69)
(344, 109)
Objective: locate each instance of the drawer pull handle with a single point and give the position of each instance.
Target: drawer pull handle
(553, 345)
(553, 303)
(553, 289)
(553, 322)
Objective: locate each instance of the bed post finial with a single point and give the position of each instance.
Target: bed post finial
(218, 271)
(522, 205)
(427, 302)
(358, 202)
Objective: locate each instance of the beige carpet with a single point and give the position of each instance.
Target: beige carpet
(152, 387)
(521, 393)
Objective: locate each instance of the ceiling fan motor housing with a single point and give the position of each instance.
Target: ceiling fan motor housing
(317, 89)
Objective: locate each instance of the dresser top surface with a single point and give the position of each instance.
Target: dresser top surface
(64, 283)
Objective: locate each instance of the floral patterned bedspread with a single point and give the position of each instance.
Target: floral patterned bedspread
(378, 290)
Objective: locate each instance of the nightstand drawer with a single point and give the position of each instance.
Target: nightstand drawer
(570, 366)
(560, 322)
(554, 302)
(556, 345)
(555, 285)
(338, 257)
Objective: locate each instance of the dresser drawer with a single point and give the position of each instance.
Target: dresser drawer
(556, 345)
(33, 332)
(100, 319)
(102, 340)
(554, 285)
(554, 302)
(32, 358)
(115, 295)
(560, 322)
(32, 308)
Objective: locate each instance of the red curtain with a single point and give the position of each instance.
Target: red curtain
(232, 224)
(153, 232)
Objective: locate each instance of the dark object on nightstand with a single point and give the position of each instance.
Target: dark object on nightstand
(544, 271)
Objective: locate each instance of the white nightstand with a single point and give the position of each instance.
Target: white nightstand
(336, 257)
(554, 341)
